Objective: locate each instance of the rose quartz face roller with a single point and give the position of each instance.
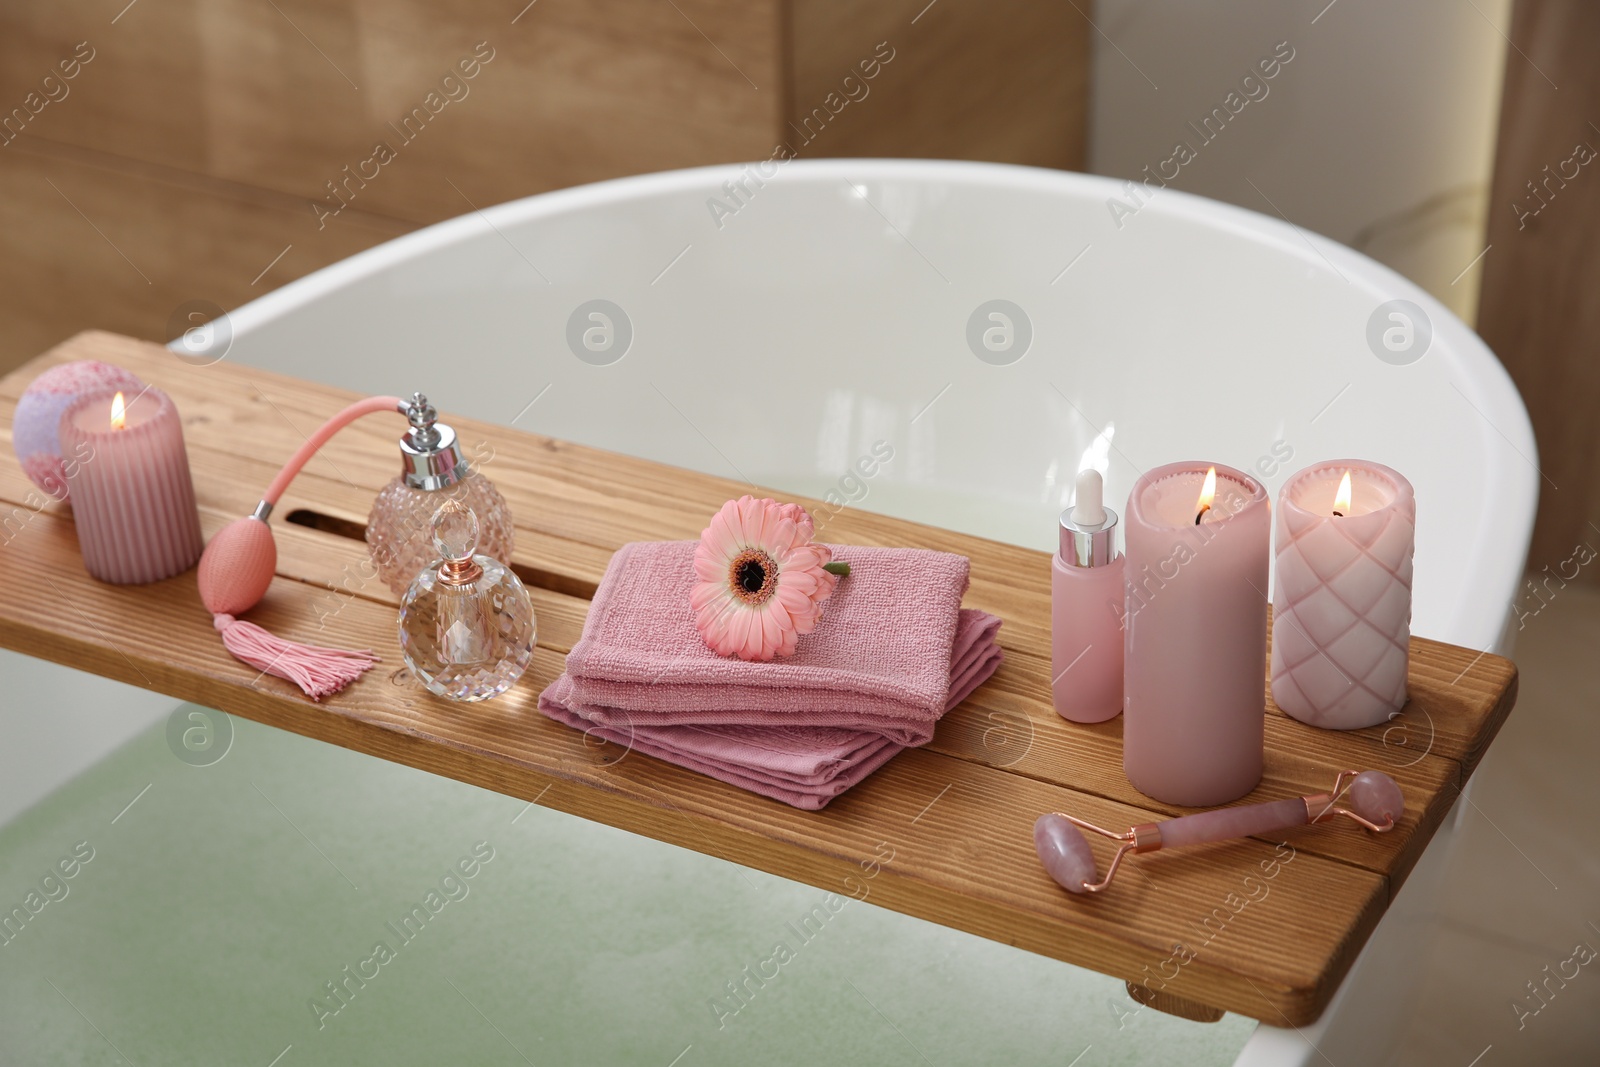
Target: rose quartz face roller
(1373, 797)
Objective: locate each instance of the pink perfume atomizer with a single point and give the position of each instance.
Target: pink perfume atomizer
(433, 470)
(238, 565)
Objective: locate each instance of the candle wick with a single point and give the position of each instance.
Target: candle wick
(1338, 514)
(1203, 509)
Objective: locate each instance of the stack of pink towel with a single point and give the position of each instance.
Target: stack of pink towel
(894, 651)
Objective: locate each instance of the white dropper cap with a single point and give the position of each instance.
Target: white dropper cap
(1088, 528)
(1089, 507)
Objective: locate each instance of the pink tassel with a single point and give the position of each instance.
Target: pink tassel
(237, 568)
(316, 670)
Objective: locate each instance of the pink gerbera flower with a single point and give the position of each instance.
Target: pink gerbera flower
(762, 580)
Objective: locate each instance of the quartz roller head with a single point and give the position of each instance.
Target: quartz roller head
(1372, 799)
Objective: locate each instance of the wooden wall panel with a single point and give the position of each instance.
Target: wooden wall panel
(1002, 80)
(147, 240)
(207, 135)
(1540, 305)
(286, 95)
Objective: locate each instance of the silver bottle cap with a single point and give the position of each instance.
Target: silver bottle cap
(1088, 546)
(430, 456)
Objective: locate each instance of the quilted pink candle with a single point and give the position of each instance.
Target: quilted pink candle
(132, 497)
(1197, 547)
(1342, 596)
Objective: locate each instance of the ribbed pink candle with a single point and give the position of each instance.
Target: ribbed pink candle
(1196, 635)
(132, 497)
(1342, 597)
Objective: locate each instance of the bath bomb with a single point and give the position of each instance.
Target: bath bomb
(38, 418)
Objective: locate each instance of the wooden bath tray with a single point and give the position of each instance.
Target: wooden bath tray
(943, 832)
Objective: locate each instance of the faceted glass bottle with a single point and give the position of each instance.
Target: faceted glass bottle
(467, 626)
(399, 529)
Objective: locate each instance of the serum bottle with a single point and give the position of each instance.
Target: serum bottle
(1086, 609)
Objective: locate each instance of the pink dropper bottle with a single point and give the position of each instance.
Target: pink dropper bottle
(1086, 608)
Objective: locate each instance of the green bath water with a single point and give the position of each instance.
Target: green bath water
(293, 903)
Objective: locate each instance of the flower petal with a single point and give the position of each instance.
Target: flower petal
(784, 616)
(801, 579)
(771, 631)
(706, 593)
(708, 568)
(806, 621)
(802, 520)
(723, 536)
(777, 534)
(827, 582)
(808, 555)
(738, 628)
(750, 515)
(793, 598)
(780, 532)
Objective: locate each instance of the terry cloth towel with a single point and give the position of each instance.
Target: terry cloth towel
(805, 766)
(893, 652)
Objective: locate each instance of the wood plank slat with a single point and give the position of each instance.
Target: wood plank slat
(956, 814)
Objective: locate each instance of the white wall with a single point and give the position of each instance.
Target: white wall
(1378, 133)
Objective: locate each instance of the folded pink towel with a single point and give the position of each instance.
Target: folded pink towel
(802, 766)
(879, 661)
(893, 653)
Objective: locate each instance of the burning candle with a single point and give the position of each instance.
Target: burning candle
(1195, 631)
(132, 497)
(1342, 596)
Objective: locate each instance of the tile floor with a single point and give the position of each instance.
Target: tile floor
(1524, 886)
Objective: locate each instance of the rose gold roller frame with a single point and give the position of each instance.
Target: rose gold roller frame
(1146, 837)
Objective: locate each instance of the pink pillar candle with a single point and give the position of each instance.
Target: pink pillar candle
(1342, 595)
(132, 497)
(1196, 634)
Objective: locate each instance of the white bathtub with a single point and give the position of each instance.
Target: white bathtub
(779, 341)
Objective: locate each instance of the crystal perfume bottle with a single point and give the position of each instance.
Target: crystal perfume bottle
(399, 529)
(467, 627)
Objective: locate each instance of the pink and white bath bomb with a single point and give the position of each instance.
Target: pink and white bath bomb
(34, 430)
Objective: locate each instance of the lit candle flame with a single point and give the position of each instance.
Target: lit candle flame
(1341, 499)
(119, 412)
(1208, 493)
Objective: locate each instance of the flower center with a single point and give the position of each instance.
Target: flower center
(753, 576)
